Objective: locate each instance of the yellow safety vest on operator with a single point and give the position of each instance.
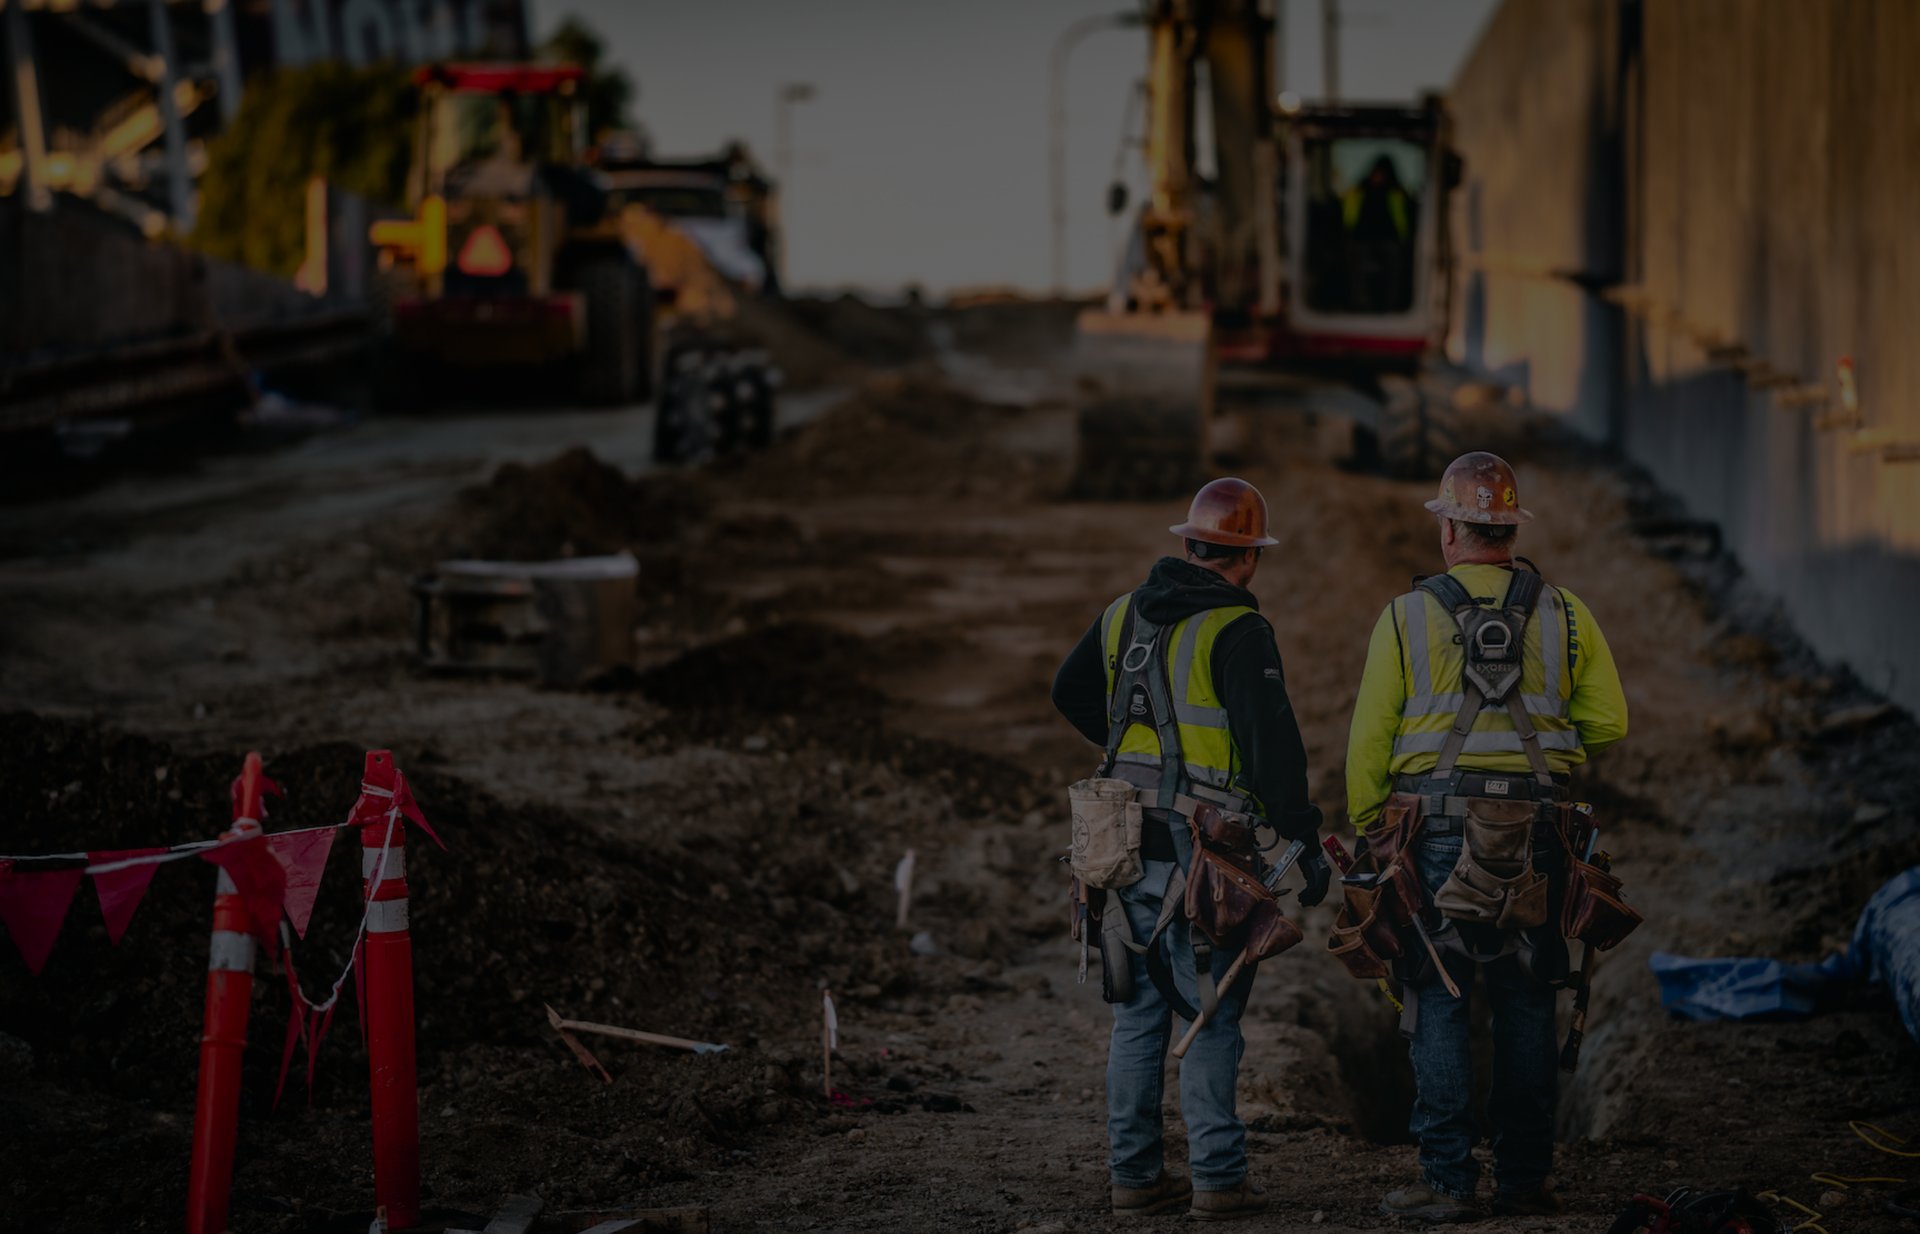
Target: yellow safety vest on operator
(1414, 686)
(1396, 209)
(1211, 759)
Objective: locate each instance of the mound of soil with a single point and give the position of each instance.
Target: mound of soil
(825, 342)
(782, 670)
(901, 433)
(575, 504)
(698, 929)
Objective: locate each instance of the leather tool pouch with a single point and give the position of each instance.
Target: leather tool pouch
(1222, 887)
(1270, 932)
(1593, 911)
(1106, 833)
(1367, 928)
(1494, 883)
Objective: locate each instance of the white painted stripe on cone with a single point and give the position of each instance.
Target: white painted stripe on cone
(230, 952)
(396, 862)
(386, 916)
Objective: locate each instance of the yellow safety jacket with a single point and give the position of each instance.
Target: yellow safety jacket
(1210, 758)
(1396, 209)
(1413, 686)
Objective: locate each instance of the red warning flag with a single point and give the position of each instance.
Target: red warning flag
(382, 787)
(33, 906)
(261, 883)
(303, 855)
(120, 891)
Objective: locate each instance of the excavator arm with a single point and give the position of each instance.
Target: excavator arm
(1200, 250)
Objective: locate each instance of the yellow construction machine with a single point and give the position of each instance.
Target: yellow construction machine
(1308, 269)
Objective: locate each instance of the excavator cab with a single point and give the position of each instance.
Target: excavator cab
(1363, 199)
(1306, 269)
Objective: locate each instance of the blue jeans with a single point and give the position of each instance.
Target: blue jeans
(1136, 1057)
(1520, 1101)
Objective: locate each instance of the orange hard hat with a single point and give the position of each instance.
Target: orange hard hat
(1479, 488)
(1227, 512)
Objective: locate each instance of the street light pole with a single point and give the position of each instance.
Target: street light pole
(1330, 48)
(1057, 178)
(789, 94)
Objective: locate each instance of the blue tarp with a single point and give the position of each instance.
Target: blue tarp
(1886, 945)
(1885, 950)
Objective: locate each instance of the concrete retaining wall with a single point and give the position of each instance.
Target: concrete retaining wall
(1750, 175)
(75, 281)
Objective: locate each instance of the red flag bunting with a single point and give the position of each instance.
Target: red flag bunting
(120, 891)
(316, 1032)
(303, 855)
(33, 906)
(373, 807)
(261, 883)
(296, 1026)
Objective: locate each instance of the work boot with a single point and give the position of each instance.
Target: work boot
(1534, 1202)
(1241, 1200)
(1168, 1192)
(1422, 1203)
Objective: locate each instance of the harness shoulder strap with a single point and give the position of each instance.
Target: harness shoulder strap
(1523, 593)
(1450, 591)
(1143, 665)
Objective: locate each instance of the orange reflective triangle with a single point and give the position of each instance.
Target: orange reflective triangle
(485, 253)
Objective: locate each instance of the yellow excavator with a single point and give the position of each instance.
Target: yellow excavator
(1309, 270)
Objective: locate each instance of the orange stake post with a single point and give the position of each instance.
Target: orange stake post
(223, 1038)
(389, 1012)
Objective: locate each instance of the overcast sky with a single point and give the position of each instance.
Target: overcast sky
(923, 157)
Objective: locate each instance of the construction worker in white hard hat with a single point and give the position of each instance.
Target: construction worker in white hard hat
(1200, 713)
(1484, 687)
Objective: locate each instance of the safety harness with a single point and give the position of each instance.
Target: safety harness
(1142, 695)
(1492, 640)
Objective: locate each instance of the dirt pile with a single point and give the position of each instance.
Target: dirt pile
(901, 433)
(572, 505)
(776, 863)
(825, 342)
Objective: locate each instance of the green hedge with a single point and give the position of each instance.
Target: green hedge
(352, 125)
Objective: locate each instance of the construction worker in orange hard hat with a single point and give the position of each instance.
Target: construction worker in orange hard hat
(1484, 688)
(1179, 682)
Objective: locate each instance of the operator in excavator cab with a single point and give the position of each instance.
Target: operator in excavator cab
(1484, 688)
(1180, 683)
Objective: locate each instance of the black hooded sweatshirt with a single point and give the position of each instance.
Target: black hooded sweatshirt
(1246, 677)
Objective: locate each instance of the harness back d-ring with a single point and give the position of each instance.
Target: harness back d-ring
(1130, 663)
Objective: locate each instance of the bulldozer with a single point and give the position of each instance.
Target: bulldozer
(512, 255)
(1310, 271)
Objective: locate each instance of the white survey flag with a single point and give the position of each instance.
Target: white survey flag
(903, 873)
(833, 1021)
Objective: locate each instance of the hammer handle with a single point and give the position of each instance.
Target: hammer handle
(1199, 1021)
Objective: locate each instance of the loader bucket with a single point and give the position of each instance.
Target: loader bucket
(1147, 382)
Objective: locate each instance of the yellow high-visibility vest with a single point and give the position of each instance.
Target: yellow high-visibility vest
(1435, 683)
(1210, 758)
(1396, 209)
(1413, 686)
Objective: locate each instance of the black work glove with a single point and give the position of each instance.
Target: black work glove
(1319, 875)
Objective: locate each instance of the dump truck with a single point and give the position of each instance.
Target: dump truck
(1310, 271)
(695, 222)
(512, 255)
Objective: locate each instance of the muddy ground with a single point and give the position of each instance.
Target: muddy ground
(844, 650)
